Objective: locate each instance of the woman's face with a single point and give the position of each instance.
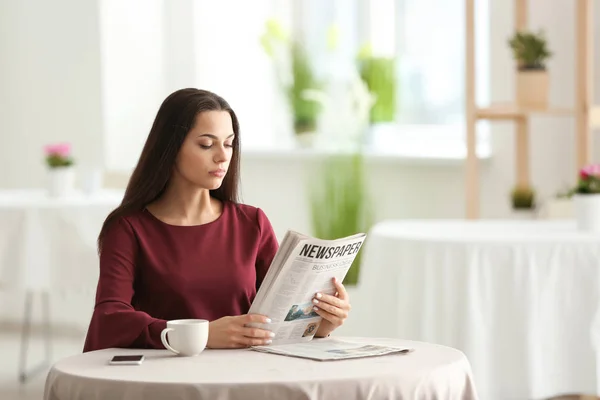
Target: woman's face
(205, 154)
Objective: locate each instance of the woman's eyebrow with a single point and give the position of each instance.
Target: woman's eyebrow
(213, 136)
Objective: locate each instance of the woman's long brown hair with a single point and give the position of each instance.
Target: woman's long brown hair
(175, 118)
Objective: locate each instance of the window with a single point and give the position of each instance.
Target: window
(230, 61)
(133, 77)
(153, 47)
(150, 48)
(427, 40)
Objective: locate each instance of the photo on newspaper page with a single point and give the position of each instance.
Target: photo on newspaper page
(302, 267)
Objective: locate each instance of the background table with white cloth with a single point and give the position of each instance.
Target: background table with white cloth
(429, 372)
(520, 298)
(48, 249)
(47, 242)
(48, 245)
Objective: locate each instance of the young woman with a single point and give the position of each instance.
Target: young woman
(180, 245)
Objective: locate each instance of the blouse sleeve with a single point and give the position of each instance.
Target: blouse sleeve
(115, 323)
(267, 249)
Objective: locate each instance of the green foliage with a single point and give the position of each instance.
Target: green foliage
(523, 198)
(588, 185)
(566, 193)
(339, 203)
(274, 34)
(530, 50)
(379, 74)
(306, 110)
(56, 161)
(296, 77)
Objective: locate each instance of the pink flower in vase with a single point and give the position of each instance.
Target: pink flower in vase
(590, 170)
(60, 149)
(58, 155)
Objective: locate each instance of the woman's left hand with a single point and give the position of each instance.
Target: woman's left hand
(333, 309)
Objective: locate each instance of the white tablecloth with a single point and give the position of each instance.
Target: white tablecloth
(51, 242)
(518, 297)
(430, 372)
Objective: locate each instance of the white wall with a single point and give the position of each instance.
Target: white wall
(133, 61)
(49, 85)
(242, 73)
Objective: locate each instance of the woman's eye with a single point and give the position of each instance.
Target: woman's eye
(208, 146)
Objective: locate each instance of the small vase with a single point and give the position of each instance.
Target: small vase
(306, 140)
(558, 208)
(587, 212)
(524, 213)
(305, 131)
(532, 89)
(61, 181)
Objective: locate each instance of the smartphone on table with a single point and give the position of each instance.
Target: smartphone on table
(127, 360)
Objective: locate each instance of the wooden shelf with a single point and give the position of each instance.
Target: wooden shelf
(594, 121)
(584, 112)
(509, 112)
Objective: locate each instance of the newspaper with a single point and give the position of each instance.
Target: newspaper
(302, 267)
(332, 349)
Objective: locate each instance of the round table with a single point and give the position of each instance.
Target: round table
(429, 372)
(519, 297)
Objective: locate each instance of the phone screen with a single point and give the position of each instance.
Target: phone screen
(126, 358)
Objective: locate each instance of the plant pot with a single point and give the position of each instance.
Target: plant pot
(587, 212)
(306, 140)
(523, 213)
(305, 132)
(558, 208)
(532, 88)
(61, 181)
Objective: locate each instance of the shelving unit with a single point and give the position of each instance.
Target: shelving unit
(586, 115)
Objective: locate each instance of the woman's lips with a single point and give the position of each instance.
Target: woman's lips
(219, 173)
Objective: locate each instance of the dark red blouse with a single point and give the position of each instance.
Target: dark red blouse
(151, 272)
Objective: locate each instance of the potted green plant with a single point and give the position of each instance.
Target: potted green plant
(296, 77)
(379, 74)
(61, 172)
(339, 203)
(523, 198)
(306, 110)
(531, 52)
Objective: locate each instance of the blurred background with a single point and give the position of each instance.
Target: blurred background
(364, 98)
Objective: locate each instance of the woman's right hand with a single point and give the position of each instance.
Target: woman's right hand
(230, 332)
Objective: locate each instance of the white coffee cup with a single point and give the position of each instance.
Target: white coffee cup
(186, 337)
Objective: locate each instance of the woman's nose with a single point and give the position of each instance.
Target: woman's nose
(221, 155)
